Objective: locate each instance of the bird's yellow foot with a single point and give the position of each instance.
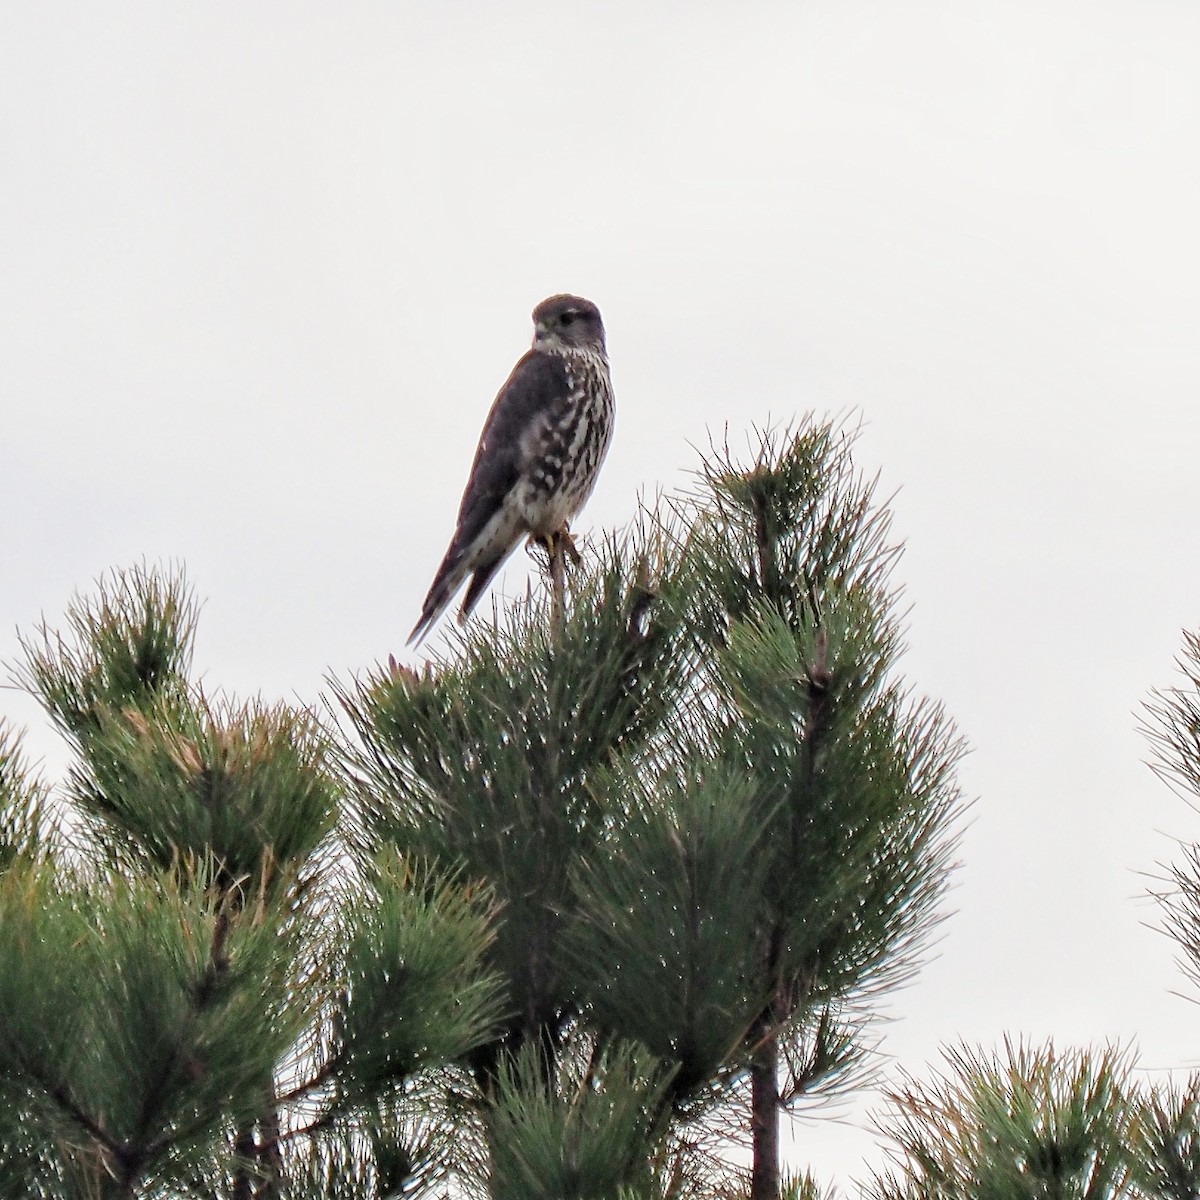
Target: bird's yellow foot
(566, 543)
(560, 541)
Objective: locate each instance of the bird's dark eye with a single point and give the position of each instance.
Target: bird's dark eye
(568, 318)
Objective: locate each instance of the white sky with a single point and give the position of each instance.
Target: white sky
(263, 267)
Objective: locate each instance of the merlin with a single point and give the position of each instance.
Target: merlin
(538, 456)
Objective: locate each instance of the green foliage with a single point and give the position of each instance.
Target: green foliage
(805, 1187)
(1030, 1124)
(842, 786)
(203, 995)
(790, 531)
(1166, 1147)
(855, 789)
(129, 647)
(710, 818)
(375, 1110)
(583, 1135)
(1033, 1123)
(161, 771)
(790, 562)
(1164, 1151)
(407, 1146)
(27, 830)
(415, 996)
(245, 783)
(510, 730)
(487, 762)
(1173, 723)
(135, 1014)
(663, 944)
(574, 880)
(1172, 726)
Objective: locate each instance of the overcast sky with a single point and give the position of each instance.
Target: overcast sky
(263, 267)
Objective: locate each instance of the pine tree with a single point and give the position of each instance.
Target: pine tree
(1167, 1148)
(714, 822)
(1027, 1124)
(1033, 1123)
(589, 899)
(1172, 726)
(200, 993)
(1164, 1150)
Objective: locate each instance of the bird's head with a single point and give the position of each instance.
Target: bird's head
(565, 323)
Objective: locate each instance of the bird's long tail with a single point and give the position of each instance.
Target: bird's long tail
(446, 582)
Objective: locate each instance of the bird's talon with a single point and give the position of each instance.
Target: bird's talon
(567, 542)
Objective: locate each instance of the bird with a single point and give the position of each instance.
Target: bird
(538, 457)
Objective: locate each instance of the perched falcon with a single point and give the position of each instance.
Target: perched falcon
(538, 456)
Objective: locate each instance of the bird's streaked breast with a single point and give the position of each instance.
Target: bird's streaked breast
(564, 450)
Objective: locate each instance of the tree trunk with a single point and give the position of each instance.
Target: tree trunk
(259, 1169)
(764, 1119)
(243, 1149)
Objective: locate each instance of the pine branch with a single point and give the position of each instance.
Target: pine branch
(1027, 1121)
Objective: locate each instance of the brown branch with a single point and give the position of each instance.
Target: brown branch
(68, 1104)
(786, 997)
(558, 587)
(764, 1121)
(110, 1147)
(243, 1149)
